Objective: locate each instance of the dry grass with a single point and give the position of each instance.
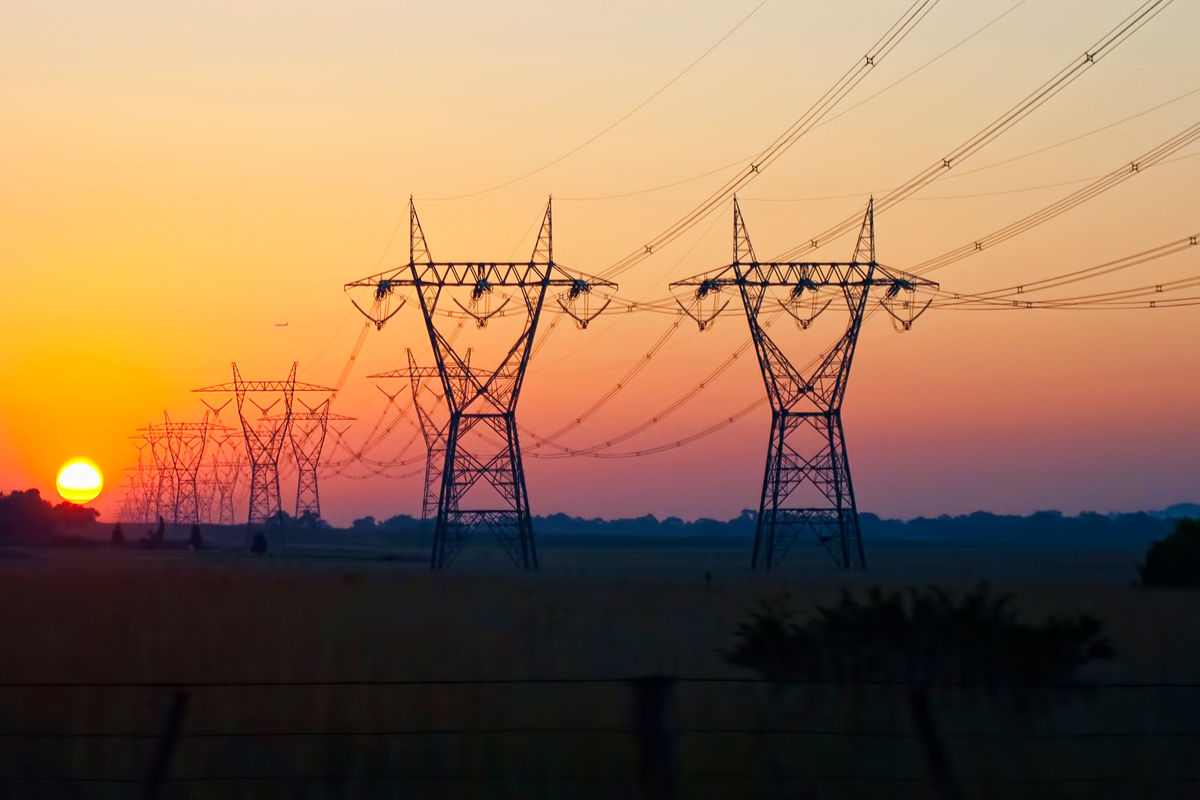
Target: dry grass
(103, 615)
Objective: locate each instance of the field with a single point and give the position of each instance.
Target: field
(486, 682)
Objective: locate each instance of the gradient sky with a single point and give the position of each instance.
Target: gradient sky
(176, 178)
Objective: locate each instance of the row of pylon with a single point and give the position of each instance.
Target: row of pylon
(175, 481)
(474, 477)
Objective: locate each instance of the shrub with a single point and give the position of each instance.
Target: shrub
(920, 639)
(1175, 560)
(921, 636)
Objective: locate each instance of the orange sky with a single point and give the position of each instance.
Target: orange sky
(177, 180)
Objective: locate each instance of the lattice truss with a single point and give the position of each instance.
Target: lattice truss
(307, 434)
(267, 425)
(482, 478)
(171, 490)
(140, 502)
(433, 417)
(807, 488)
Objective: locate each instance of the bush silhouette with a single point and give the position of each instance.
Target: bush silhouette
(1175, 560)
(921, 636)
(920, 639)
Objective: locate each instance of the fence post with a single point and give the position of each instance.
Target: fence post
(936, 758)
(166, 745)
(656, 776)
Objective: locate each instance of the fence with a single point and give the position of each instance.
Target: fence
(650, 737)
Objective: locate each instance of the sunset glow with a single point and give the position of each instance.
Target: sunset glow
(230, 178)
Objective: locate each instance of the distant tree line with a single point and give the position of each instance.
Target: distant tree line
(1047, 527)
(26, 517)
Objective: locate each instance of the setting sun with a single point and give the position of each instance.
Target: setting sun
(79, 481)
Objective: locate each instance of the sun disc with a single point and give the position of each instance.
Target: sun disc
(79, 481)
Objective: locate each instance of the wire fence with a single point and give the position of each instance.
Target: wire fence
(652, 737)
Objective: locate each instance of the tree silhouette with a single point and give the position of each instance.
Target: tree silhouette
(921, 639)
(1174, 560)
(26, 517)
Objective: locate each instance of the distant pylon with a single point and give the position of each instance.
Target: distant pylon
(432, 416)
(161, 488)
(178, 450)
(224, 467)
(140, 494)
(307, 435)
(135, 504)
(483, 481)
(265, 435)
(225, 476)
(807, 487)
(186, 441)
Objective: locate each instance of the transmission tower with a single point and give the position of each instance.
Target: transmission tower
(483, 480)
(807, 488)
(224, 468)
(432, 416)
(135, 502)
(158, 487)
(264, 434)
(178, 449)
(307, 433)
(224, 474)
(141, 492)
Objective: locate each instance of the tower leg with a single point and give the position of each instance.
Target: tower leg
(807, 491)
(441, 554)
(853, 555)
(764, 534)
(483, 485)
(528, 549)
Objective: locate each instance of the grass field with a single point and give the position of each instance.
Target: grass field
(344, 610)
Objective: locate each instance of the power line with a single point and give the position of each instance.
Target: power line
(1108, 181)
(613, 125)
(1104, 46)
(840, 114)
(802, 125)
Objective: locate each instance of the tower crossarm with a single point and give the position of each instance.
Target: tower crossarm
(308, 416)
(479, 274)
(264, 386)
(703, 297)
(804, 274)
(426, 373)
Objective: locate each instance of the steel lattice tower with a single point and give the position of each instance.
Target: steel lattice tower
(483, 480)
(143, 483)
(225, 475)
(178, 449)
(159, 490)
(264, 435)
(224, 466)
(429, 407)
(307, 436)
(807, 488)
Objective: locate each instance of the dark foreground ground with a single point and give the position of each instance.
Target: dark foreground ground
(341, 668)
